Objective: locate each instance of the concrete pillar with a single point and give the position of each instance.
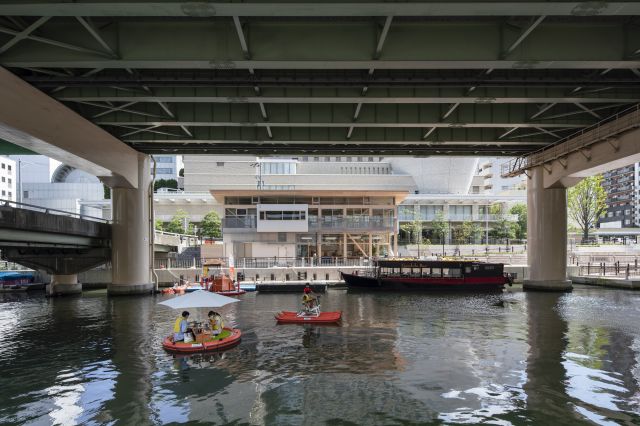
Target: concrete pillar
(130, 255)
(547, 235)
(61, 285)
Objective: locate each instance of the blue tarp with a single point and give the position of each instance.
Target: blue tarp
(6, 276)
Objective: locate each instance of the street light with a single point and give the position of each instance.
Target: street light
(258, 165)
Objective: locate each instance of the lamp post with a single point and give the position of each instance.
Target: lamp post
(258, 165)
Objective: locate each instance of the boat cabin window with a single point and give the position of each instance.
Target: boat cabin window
(467, 270)
(455, 272)
(436, 272)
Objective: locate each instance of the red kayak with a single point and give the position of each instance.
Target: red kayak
(287, 317)
(232, 338)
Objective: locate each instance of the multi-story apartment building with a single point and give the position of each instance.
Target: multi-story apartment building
(7, 179)
(623, 208)
(455, 210)
(493, 182)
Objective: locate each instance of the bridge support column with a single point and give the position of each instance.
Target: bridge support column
(130, 252)
(547, 235)
(61, 285)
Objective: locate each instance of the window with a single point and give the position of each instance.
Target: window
(25, 194)
(626, 221)
(4, 193)
(618, 213)
(610, 214)
(3, 179)
(282, 237)
(220, 163)
(9, 167)
(4, 166)
(10, 194)
(627, 212)
(9, 181)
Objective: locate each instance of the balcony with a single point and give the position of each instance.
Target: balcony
(361, 223)
(468, 217)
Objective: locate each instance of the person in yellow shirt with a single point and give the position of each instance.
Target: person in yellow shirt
(215, 323)
(181, 327)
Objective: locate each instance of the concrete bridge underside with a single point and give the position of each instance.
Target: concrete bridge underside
(130, 78)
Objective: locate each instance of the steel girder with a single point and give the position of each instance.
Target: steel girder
(389, 78)
(214, 44)
(315, 8)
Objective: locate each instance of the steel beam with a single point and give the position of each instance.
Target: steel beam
(317, 9)
(467, 144)
(18, 36)
(348, 99)
(320, 45)
(340, 125)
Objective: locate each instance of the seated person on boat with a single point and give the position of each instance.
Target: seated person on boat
(181, 328)
(308, 298)
(215, 323)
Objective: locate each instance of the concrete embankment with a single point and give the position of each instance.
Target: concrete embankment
(611, 282)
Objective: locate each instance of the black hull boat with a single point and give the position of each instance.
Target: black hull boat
(420, 275)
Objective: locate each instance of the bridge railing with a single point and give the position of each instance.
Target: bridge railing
(602, 130)
(26, 206)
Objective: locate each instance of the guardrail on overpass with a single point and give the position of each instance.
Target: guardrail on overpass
(32, 218)
(605, 129)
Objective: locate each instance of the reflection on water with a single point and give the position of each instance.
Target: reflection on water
(501, 359)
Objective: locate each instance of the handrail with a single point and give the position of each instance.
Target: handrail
(7, 203)
(603, 129)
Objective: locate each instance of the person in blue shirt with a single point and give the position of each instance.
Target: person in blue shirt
(181, 326)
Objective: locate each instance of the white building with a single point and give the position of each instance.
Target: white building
(7, 179)
(48, 183)
(327, 207)
(167, 166)
(493, 182)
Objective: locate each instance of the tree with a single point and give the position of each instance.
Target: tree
(468, 232)
(179, 223)
(165, 183)
(211, 225)
(586, 203)
(158, 225)
(440, 226)
(107, 192)
(520, 210)
(414, 231)
(502, 227)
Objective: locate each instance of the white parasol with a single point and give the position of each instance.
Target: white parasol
(199, 299)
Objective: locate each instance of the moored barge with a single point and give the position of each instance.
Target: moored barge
(429, 275)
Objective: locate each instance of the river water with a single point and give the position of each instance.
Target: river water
(513, 358)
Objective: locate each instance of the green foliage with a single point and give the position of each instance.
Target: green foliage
(495, 209)
(468, 232)
(211, 225)
(158, 225)
(440, 226)
(107, 192)
(165, 183)
(178, 223)
(520, 209)
(586, 203)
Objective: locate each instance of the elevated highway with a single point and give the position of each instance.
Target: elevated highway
(61, 243)
(613, 142)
